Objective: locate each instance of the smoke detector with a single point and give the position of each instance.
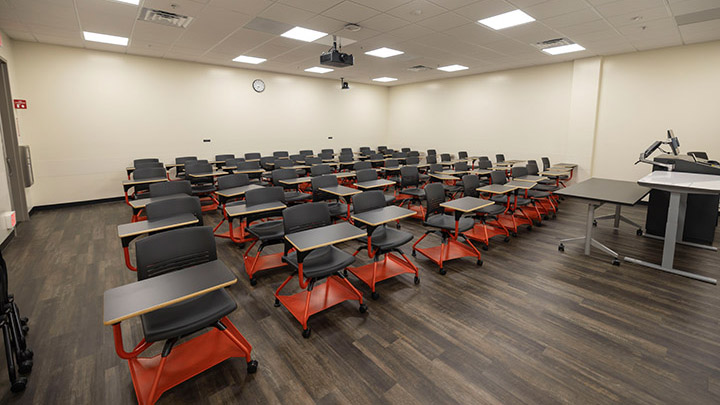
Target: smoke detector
(352, 27)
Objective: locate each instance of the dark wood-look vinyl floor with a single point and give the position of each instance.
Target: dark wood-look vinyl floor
(532, 325)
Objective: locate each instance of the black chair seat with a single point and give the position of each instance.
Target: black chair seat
(415, 192)
(295, 196)
(502, 199)
(546, 187)
(188, 316)
(386, 238)
(389, 199)
(267, 230)
(203, 189)
(338, 209)
(538, 194)
(443, 221)
(321, 262)
(424, 177)
(495, 209)
(452, 188)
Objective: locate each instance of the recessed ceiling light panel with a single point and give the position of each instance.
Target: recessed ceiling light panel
(384, 79)
(453, 68)
(559, 50)
(135, 2)
(104, 38)
(249, 59)
(303, 34)
(384, 52)
(507, 20)
(318, 69)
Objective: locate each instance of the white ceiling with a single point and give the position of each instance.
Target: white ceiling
(430, 32)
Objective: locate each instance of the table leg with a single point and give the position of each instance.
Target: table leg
(589, 227)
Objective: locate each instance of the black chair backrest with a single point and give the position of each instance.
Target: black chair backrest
(368, 201)
(173, 250)
(280, 154)
(232, 180)
(184, 159)
(364, 149)
(330, 151)
(282, 174)
(234, 161)
(302, 217)
(470, 184)
(264, 195)
(431, 152)
(519, 171)
(431, 159)
(170, 187)
(392, 163)
(148, 164)
(532, 168)
(306, 152)
(409, 177)
(484, 164)
(412, 160)
(174, 206)
(265, 160)
(309, 161)
(146, 160)
(445, 157)
(498, 177)
(499, 157)
(382, 148)
(319, 170)
(405, 150)
(198, 167)
(366, 175)
(462, 166)
(280, 163)
(327, 180)
(325, 155)
(224, 157)
(698, 155)
(546, 163)
(252, 156)
(435, 167)
(297, 158)
(148, 173)
(462, 155)
(346, 158)
(362, 165)
(254, 165)
(413, 153)
(434, 196)
(346, 151)
(483, 158)
(376, 156)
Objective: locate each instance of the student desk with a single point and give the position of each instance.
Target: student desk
(234, 192)
(128, 232)
(376, 271)
(556, 174)
(481, 172)
(128, 184)
(443, 177)
(510, 221)
(242, 210)
(465, 205)
(373, 184)
(679, 185)
(305, 241)
(213, 174)
(342, 192)
(140, 203)
(598, 192)
(530, 178)
(454, 172)
(509, 162)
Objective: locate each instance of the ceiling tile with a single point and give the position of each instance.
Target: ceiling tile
(623, 7)
(693, 6)
(286, 14)
(444, 21)
(381, 5)
(639, 17)
(183, 7)
(350, 12)
(155, 32)
(485, 9)
(573, 18)
(316, 6)
(531, 33)
(476, 34)
(49, 14)
(554, 8)
(454, 4)
(384, 23)
(211, 27)
(701, 32)
(251, 7)
(416, 10)
(21, 35)
(411, 31)
(325, 24)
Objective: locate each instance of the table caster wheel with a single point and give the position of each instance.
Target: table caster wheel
(252, 367)
(442, 271)
(561, 247)
(277, 302)
(253, 281)
(375, 295)
(19, 385)
(413, 253)
(345, 272)
(397, 226)
(363, 308)
(417, 280)
(639, 232)
(25, 367)
(306, 332)
(616, 262)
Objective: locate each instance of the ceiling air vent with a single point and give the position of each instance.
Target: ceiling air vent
(419, 68)
(164, 18)
(552, 43)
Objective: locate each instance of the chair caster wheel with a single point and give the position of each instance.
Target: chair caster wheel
(277, 302)
(306, 333)
(252, 367)
(397, 226)
(19, 385)
(375, 295)
(363, 308)
(413, 253)
(417, 280)
(616, 262)
(479, 262)
(507, 239)
(442, 272)
(554, 216)
(639, 232)
(25, 329)
(561, 247)
(24, 320)
(539, 224)
(514, 234)
(485, 247)
(253, 281)
(545, 217)
(25, 367)
(529, 228)
(594, 223)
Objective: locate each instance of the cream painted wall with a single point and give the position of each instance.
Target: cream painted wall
(6, 53)
(522, 113)
(92, 112)
(643, 94)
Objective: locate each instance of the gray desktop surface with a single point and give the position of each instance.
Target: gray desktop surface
(612, 191)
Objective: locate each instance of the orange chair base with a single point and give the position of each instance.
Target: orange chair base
(390, 267)
(184, 362)
(236, 234)
(419, 211)
(452, 250)
(332, 292)
(483, 233)
(255, 264)
(511, 222)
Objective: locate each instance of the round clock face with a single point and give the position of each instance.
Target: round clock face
(258, 85)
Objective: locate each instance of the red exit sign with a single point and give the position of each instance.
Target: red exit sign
(20, 104)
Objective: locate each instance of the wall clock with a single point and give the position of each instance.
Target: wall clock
(258, 85)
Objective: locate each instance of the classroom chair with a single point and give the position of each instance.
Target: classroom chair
(255, 178)
(267, 162)
(382, 149)
(145, 160)
(412, 160)
(514, 215)
(225, 157)
(280, 154)
(252, 156)
(336, 207)
(306, 152)
(203, 187)
(445, 157)
(431, 152)
(431, 159)
(409, 190)
(489, 226)
(369, 175)
(320, 170)
(170, 188)
(348, 159)
(462, 155)
(414, 153)
(233, 162)
(449, 227)
(346, 151)
(499, 158)
(292, 195)
(143, 173)
(267, 232)
(362, 165)
(171, 207)
(542, 203)
(330, 151)
(165, 253)
(18, 357)
(326, 155)
(326, 262)
(405, 150)
(557, 180)
(237, 234)
(383, 241)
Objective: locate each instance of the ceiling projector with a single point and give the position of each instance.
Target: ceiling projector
(335, 58)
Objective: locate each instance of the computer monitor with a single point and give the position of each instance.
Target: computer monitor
(652, 148)
(673, 141)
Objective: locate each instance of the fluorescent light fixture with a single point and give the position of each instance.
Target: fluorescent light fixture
(249, 59)
(134, 2)
(506, 20)
(104, 38)
(452, 68)
(559, 50)
(318, 69)
(303, 34)
(384, 52)
(384, 79)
